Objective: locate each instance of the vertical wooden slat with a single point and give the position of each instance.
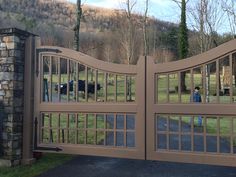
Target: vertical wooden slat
(85, 128)
(125, 130)
(115, 89)
(217, 81)
(68, 79)
(218, 134)
(231, 78)
(67, 128)
(179, 86)
(58, 129)
(179, 133)
(168, 88)
(192, 133)
(95, 128)
(59, 80)
(115, 130)
(231, 135)
(168, 134)
(204, 84)
(105, 87)
(77, 82)
(86, 84)
(50, 78)
(125, 89)
(78, 85)
(192, 84)
(204, 134)
(96, 86)
(76, 128)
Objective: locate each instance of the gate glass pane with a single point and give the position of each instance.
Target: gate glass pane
(224, 80)
(100, 138)
(130, 122)
(198, 79)
(101, 87)
(186, 142)
(173, 88)
(100, 121)
(161, 93)
(174, 123)
(64, 80)
(82, 83)
(161, 141)
(110, 87)
(211, 89)
(55, 79)
(91, 85)
(186, 91)
(198, 143)
(173, 142)
(120, 121)
(130, 138)
(211, 143)
(234, 77)
(110, 138)
(186, 123)
(225, 144)
(130, 86)
(225, 125)
(119, 138)
(161, 123)
(211, 126)
(120, 88)
(72, 81)
(46, 79)
(110, 121)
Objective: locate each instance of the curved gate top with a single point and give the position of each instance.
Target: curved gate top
(87, 106)
(143, 111)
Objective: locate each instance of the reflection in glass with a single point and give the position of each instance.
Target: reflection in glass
(110, 87)
(46, 78)
(82, 83)
(185, 94)
(234, 77)
(101, 83)
(173, 88)
(120, 88)
(211, 89)
(224, 80)
(64, 80)
(198, 80)
(161, 93)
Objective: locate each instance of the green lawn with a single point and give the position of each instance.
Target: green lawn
(47, 162)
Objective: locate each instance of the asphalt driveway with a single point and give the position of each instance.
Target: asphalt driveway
(87, 166)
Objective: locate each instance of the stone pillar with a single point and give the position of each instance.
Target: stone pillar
(12, 62)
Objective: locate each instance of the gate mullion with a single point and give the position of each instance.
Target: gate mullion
(218, 134)
(50, 77)
(59, 80)
(125, 130)
(217, 81)
(204, 134)
(96, 86)
(231, 136)
(77, 82)
(76, 128)
(115, 130)
(168, 134)
(231, 78)
(68, 78)
(115, 89)
(95, 128)
(192, 132)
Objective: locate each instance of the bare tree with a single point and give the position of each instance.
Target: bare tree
(145, 27)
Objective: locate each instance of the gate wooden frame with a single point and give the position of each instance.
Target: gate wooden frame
(95, 107)
(145, 107)
(208, 109)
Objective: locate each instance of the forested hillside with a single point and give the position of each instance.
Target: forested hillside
(103, 31)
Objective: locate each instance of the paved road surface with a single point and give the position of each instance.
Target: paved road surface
(87, 166)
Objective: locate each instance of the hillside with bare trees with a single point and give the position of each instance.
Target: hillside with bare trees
(103, 32)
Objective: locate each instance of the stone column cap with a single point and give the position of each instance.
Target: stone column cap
(16, 31)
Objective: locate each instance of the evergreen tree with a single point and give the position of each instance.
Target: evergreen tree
(183, 41)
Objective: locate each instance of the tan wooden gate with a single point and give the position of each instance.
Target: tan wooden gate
(173, 133)
(143, 111)
(87, 106)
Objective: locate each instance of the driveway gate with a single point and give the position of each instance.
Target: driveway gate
(143, 111)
